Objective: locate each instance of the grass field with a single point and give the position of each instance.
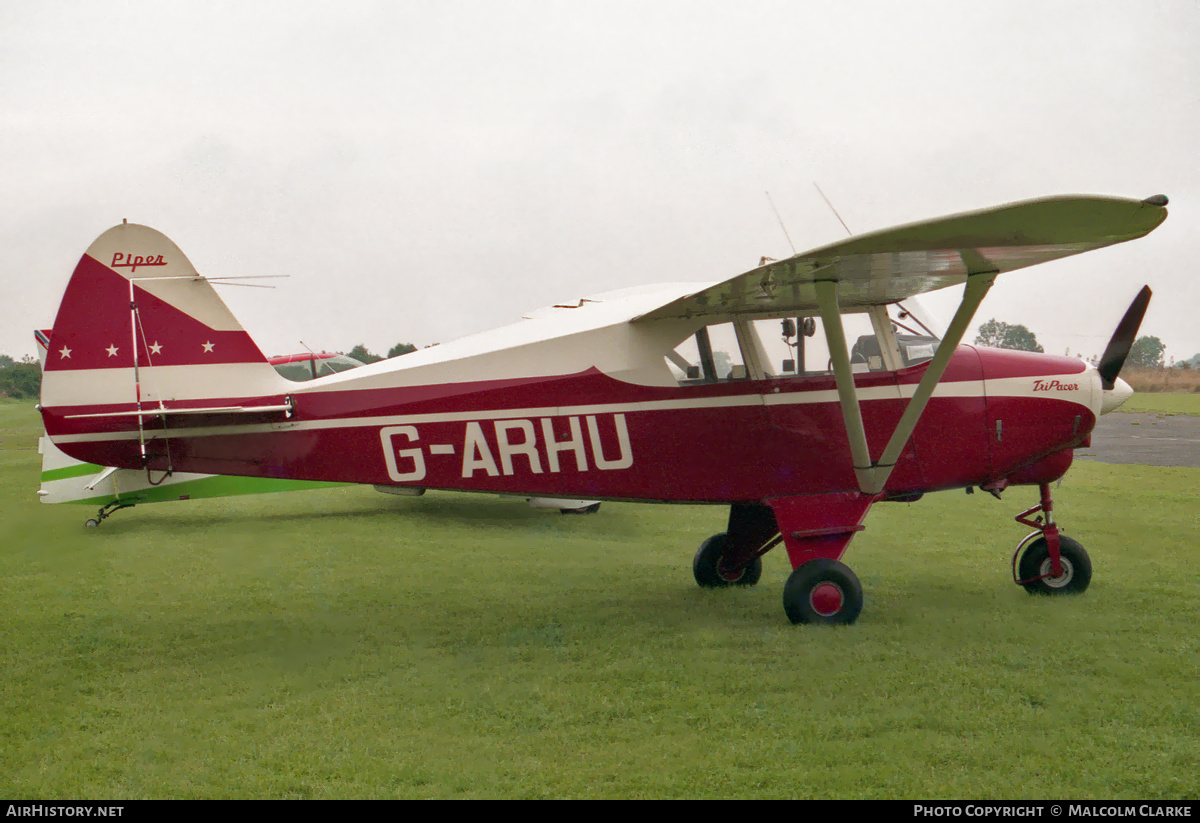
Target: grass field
(1163, 403)
(341, 643)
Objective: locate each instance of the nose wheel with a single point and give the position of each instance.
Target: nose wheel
(1047, 562)
(1035, 570)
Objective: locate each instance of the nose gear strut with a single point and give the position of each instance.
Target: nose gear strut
(1045, 561)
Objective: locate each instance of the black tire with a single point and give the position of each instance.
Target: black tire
(706, 566)
(1035, 562)
(823, 591)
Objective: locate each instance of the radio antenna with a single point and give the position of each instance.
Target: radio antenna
(780, 219)
(832, 209)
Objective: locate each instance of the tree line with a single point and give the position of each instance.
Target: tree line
(22, 379)
(1147, 352)
(361, 353)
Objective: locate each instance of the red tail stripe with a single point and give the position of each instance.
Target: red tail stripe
(92, 329)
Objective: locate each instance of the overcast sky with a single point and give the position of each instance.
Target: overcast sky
(424, 170)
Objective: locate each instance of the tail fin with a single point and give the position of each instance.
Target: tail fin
(138, 328)
(135, 294)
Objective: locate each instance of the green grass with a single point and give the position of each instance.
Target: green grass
(341, 643)
(1163, 403)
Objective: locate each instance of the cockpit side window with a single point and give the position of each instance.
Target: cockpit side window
(712, 354)
(879, 338)
(795, 346)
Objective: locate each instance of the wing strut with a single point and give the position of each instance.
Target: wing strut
(873, 475)
(835, 336)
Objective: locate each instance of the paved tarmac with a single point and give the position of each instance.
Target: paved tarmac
(1145, 439)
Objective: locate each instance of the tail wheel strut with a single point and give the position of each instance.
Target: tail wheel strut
(106, 511)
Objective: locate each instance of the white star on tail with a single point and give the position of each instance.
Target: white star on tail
(155, 348)
(112, 350)
(208, 347)
(65, 352)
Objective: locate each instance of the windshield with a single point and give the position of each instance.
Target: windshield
(313, 366)
(917, 333)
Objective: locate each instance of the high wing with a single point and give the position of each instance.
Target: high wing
(893, 264)
(890, 265)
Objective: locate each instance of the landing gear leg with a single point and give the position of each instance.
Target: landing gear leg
(816, 530)
(1046, 562)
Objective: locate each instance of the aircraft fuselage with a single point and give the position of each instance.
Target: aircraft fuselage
(995, 414)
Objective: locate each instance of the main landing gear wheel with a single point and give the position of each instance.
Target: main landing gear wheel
(1035, 568)
(823, 591)
(708, 569)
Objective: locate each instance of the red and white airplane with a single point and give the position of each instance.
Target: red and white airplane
(719, 393)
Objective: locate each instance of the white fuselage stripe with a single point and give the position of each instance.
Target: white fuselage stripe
(1015, 388)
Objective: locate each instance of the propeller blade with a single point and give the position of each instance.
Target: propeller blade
(1122, 339)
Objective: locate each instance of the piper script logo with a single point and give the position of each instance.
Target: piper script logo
(508, 447)
(1054, 385)
(121, 260)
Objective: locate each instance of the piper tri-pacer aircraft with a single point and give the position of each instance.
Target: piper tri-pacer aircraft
(720, 393)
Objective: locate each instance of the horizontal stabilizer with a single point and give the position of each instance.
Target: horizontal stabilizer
(287, 408)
